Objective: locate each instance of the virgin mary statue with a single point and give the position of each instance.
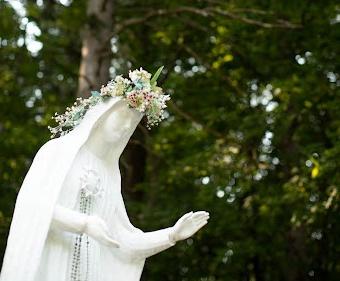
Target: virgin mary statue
(70, 221)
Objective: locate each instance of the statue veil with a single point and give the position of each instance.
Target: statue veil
(38, 250)
(39, 193)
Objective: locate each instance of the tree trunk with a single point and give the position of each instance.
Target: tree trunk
(96, 49)
(133, 163)
(94, 71)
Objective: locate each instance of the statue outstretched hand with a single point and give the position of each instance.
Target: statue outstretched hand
(188, 225)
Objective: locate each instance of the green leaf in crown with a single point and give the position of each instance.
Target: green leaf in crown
(153, 80)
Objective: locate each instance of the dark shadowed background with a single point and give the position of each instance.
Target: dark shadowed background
(251, 135)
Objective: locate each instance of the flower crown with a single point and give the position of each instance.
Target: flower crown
(140, 92)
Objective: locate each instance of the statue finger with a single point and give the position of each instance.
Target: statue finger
(199, 219)
(114, 243)
(200, 225)
(186, 216)
(190, 214)
(200, 215)
(111, 241)
(108, 234)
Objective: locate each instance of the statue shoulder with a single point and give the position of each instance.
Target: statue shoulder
(48, 147)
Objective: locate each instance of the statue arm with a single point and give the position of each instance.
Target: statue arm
(68, 220)
(145, 244)
(72, 221)
(137, 243)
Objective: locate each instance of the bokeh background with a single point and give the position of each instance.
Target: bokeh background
(251, 135)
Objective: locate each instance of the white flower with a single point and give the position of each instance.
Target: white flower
(157, 90)
(140, 76)
(120, 86)
(105, 91)
(119, 79)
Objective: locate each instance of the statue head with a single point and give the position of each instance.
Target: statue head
(118, 123)
(107, 119)
(112, 130)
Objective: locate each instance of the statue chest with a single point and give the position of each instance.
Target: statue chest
(90, 186)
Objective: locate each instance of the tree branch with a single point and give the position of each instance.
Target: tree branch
(279, 23)
(187, 116)
(208, 66)
(205, 12)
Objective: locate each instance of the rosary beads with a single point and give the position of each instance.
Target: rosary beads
(90, 183)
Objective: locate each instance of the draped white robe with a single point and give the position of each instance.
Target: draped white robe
(104, 263)
(33, 239)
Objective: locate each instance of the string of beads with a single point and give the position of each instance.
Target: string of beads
(85, 204)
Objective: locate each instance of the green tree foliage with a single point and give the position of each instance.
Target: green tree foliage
(252, 134)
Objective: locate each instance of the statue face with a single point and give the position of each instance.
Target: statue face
(120, 122)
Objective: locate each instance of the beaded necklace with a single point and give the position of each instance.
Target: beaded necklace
(90, 188)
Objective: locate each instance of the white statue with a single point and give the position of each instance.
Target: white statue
(70, 221)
